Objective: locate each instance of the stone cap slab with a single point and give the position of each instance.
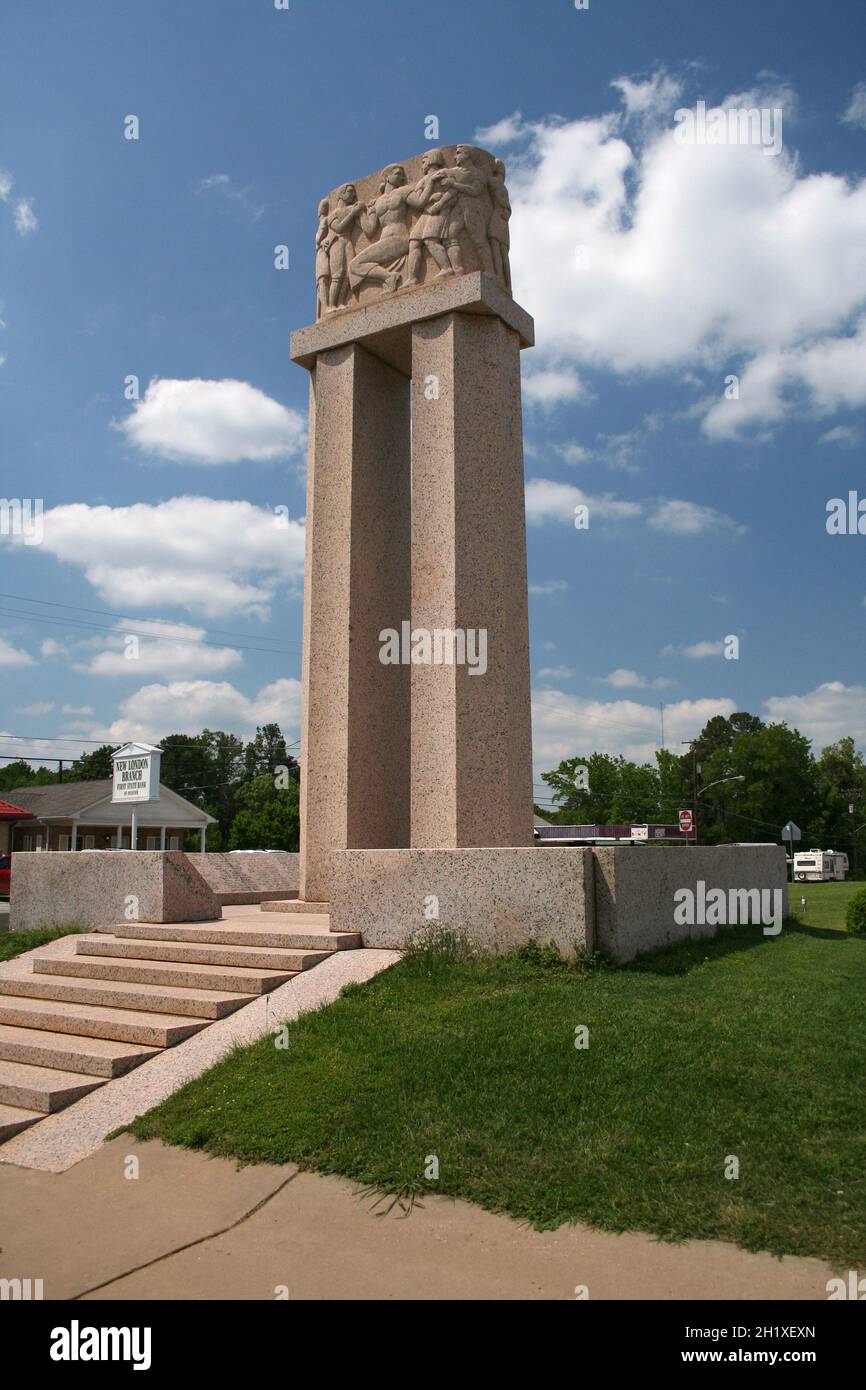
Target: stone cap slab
(384, 326)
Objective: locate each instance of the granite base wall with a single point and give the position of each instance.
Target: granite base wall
(635, 887)
(618, 900)
(93, 889)
(497, 897)
(236, 879)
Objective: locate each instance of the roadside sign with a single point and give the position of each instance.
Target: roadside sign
(136, 773)
(791, 832)
(687, 822)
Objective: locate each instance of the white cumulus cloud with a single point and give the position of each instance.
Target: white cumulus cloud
(13, 656)
(566, 725)
(208, 556)
(830, 712)
(212, 422)
(646, 255)
(187, 707)
(158, 648)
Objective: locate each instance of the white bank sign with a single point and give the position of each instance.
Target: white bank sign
(136, 773)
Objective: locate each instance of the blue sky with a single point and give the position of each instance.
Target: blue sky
(654, 271)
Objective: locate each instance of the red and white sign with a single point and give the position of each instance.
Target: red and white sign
(687, 822)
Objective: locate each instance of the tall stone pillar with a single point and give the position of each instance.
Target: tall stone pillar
(355, 711)
(471, 735)
(424, 539)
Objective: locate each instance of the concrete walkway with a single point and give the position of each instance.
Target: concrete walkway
(193, 1227)
(63, 1139)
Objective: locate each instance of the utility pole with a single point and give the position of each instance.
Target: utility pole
(696, 767)
(853, 793)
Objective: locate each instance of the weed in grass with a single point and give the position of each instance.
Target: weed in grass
(437, 944)
(583, 963)
(15, 943)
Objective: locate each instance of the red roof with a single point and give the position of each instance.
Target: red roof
(10, 812)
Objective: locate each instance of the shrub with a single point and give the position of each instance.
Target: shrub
(855, 913)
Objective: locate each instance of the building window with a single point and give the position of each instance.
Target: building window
(64, 841)
(174, 843)
(153, 842)
(90, 842)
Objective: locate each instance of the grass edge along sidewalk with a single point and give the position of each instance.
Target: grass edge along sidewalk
(745, 1048)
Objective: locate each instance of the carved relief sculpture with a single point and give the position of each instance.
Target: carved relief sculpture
(441, 214)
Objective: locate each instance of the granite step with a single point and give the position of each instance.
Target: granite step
(169, 973)
(160, 999)
(246, 957)
(298, 907)
(13, 1119)
(304, 936)
(43, 1088)
(93, 1021)
(94, 1056)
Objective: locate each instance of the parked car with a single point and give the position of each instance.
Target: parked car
(5, 875)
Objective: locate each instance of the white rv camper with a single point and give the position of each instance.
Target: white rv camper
(820, 865)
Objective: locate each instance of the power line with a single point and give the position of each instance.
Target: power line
(153, 636)
(107, 613)
(107, 743)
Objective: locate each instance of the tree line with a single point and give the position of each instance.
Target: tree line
(782, 780)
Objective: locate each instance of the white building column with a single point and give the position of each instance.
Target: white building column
(202, 833)
(162, 837)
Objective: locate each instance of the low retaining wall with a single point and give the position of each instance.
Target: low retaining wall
(499, 898)
(622, 901)
(259, 877)
(92, 888)
(635, 887)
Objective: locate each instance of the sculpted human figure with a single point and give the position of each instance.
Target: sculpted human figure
(432, 231)
(340, 222)
(381, 261)
(497, 227)
(473, 205)
(323, 262)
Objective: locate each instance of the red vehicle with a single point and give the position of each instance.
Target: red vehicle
(5, 875)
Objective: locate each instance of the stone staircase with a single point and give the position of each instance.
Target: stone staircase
(77, 1021)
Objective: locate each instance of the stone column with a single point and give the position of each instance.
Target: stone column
(471, 770)
(355, 714)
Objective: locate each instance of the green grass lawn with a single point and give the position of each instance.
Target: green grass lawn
(825, 902)
(15, 943)
(748, 1045)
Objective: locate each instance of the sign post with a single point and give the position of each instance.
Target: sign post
(687, 822)
(135, 779)
(791, 832)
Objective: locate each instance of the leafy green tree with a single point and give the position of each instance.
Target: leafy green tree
(674, 786)
(92, 767)
(17, 774)
(583, 789)
(841, 783)
(21, 774)
(267, 752)
(268, 817)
